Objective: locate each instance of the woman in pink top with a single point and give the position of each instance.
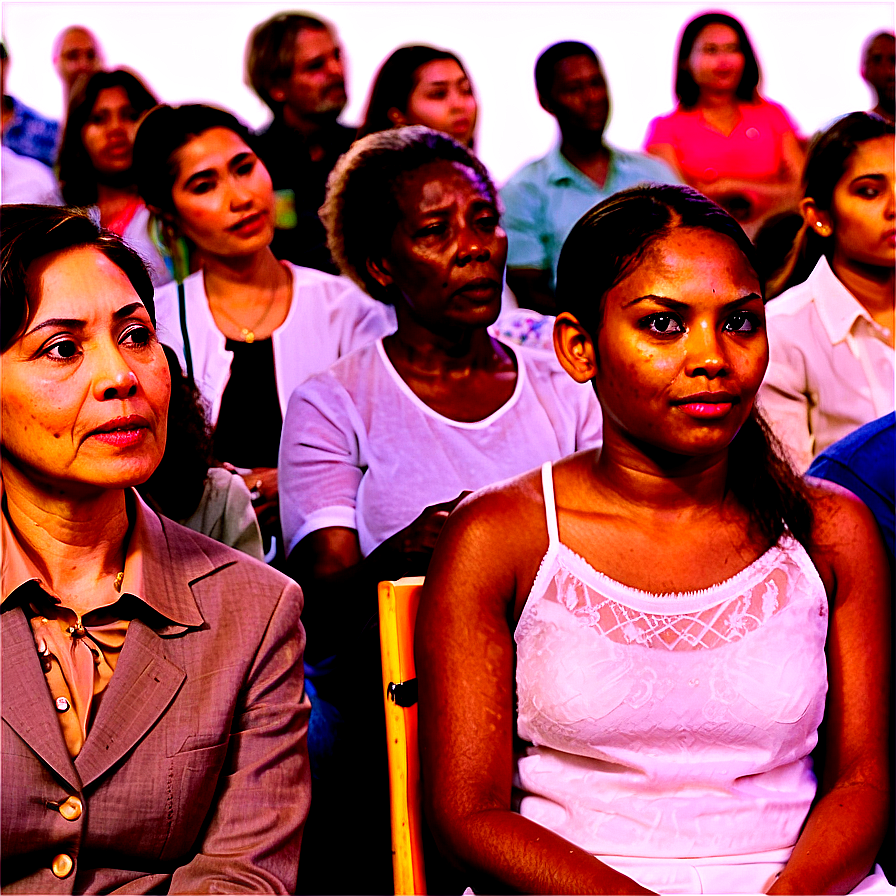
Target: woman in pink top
(725, 139)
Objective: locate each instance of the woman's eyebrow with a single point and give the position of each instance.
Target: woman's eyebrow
(71, 323)
(666, 302)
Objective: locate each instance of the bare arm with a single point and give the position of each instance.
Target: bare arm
(465, 664)
(846, 826)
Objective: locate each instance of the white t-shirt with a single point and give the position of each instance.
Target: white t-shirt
(361, 450)
(830, 368)
(329, 316)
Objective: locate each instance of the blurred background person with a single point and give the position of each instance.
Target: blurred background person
(724, 138)
(76, 54)
(831, 333)
(25, 131)
(545, 198)
(247, 327)
(879, 72)
(294, 63)
(423, 85)
(96, 158)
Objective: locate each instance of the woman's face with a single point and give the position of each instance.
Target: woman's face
(682, 348)
(85, 388)
(222, 195)
(863, 208)
(443, 100)
(108, 136)
(448, 251)
(716, 61)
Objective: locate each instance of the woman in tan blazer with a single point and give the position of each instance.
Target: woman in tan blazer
(153, 714)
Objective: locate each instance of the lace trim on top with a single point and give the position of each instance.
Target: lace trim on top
(707, 618)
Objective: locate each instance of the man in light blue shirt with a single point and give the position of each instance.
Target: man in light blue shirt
(545, 198)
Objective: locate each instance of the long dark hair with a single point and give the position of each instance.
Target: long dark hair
(601, 250)
(77, 176)
(686, 88)
(29, 232)
(829, 154)
(395, 82)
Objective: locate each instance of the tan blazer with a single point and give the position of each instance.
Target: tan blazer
(194, 776)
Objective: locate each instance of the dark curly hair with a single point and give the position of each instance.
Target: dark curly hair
(603, 247)
(361, 210)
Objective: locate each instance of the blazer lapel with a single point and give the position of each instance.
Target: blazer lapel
(143, 686)
(27, 707)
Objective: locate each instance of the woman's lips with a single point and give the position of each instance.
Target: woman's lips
(707, 406)
(481, 291)
(250, 225)
(121, 432)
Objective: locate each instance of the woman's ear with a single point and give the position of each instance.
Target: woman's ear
(575, 348)
(817, 220)
(396, 116)
(378, 268)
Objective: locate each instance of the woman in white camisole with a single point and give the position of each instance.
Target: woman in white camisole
(624, 657)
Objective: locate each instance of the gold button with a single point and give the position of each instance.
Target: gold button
(71, 810)
(62, 865)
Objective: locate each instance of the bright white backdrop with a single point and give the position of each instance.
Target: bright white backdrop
(809, 53)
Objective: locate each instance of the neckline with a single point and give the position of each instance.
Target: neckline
(421, 405)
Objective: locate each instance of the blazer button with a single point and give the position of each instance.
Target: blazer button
(62, 865)
(70, 810)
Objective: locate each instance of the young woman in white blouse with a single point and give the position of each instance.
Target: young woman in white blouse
(831, 334)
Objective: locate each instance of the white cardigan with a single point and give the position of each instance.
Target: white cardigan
(328, 317)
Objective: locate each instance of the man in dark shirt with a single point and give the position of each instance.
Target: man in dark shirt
(294, 64)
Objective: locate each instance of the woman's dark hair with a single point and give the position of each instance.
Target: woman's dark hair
(161, 134)
(686, 88)
(395, 82)
(361, 210)
(827, 159)
(29, 232)
(77, 176)
(602, 249)
(178, 483)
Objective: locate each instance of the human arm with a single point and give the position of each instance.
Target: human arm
(845, 827)
(250, 843)
(465, 665)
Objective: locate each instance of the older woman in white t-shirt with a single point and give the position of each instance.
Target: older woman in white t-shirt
(377, 450)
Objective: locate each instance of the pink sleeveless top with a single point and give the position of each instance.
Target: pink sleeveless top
(671, 725)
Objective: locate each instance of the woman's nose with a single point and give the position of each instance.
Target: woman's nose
(706, 355)
(114, 379)
(473, 247)
(240, 195)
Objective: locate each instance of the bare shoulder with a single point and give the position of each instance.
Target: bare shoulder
(846, 541)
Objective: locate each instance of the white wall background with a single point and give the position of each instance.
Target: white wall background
(193, 51)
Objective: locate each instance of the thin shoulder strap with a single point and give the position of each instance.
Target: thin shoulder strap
(550, 508)
(182, 309)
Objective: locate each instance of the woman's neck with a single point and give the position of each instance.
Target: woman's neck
(872, 285)
(112, 200)
(719, 101)
(226, 277)
(78, 542)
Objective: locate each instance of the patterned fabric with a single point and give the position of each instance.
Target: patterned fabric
(30, 134)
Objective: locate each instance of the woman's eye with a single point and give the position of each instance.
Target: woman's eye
(742, 322)
(868, 192)
(437, 94)
(488, 222)
(662, 323)
(62, 350)
(245, 169)
(435, 229)
(139, 335)
(202, 186)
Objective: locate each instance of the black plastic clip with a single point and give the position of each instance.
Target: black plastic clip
(404, 693)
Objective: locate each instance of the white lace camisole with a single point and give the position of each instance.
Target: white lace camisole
(671, 726)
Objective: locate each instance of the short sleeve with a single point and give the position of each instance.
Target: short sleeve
(779, 119)
(525, 225)
(659, 131)
(319, 470)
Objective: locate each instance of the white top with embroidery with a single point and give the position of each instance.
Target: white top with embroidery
(671, 725)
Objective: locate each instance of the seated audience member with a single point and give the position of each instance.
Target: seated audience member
(724, 138)
(879, 72)
(153, 733)
(96, 159)
(24, 130)
(865, 463)
(187, 487)
(831, 335)
(621, 657)
(422, 85)
(294, 63)
(247, 328)
(379, 448)
(545, 198)
(76, 54)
